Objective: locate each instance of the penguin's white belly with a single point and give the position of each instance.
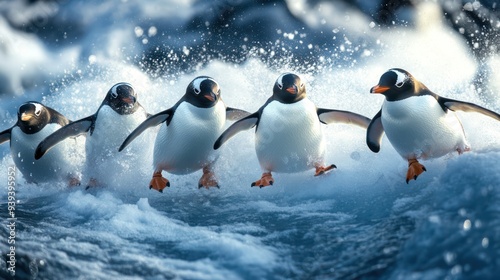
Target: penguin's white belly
(111, 129)
(56, 163)
(186, 144)
(289, 137)
(418, 127)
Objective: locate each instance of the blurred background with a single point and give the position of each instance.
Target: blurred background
(44, 41)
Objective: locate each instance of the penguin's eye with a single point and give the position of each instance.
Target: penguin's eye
(197, 90)
(280, 86)
(38, 110)
(401, 78)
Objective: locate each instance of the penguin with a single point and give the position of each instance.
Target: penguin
(188, 131)
(418, 123)
(35, 122)
(288, 132)
(118, 114)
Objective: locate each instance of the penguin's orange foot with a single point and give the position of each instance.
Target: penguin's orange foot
(92, 183)
(320, 170)
(461, 151)
(265, 180)
(208, 180)
(414, 169)
(73, 182)
(158, 182)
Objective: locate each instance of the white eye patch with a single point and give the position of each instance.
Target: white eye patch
(38, 108)
(197, 84)
(279, 81)
(402, 78)
(114, 89)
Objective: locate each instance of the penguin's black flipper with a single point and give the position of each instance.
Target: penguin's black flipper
(5, 135)
(243, 124)
(234, 114)
(56, 117)
(328, 116)
(71, 130)
(147, 114)
(456, 105)
(375, 132)
(154, 120)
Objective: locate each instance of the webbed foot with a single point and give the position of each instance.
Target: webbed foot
(414, 169)
(320, 170)
(265, 180)
(208, 179)
(158, 182)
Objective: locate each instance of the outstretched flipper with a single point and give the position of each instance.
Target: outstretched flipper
(5, 135)
(56, 117)
(150, 122)
(234, 114)
(243, 124)
(456, 105)
(328, 116)
(71, 130)
(375, 132)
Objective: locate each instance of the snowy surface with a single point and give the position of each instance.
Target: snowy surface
(360, 221)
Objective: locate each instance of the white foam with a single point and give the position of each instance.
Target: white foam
(291, 228)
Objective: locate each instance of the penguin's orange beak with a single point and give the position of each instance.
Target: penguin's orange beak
(379, 89)
(129, 100)
(210, 96)
(292, 90)
(25, 117)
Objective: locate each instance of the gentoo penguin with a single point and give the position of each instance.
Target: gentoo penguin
(118, 115)
(419, 123)
(288, 134)
(184, 143)
(35, 122)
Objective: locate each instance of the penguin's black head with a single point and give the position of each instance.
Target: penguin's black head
(122, 99)
(396, 84)
(203, 92)
(289, 88)
(32, 117)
